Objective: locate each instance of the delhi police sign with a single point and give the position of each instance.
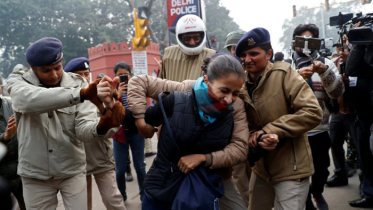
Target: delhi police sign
(178, 8)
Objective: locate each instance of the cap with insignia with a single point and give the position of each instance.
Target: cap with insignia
(254, 38)
(77, 64)
(46, 51)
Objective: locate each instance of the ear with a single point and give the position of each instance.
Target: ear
(33, 68)
(269, 54)
(206, 79)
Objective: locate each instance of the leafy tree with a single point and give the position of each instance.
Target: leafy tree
(85, 23)
(218, 21)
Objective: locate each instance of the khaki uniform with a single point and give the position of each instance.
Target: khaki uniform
(100, 164)
(285, 105)
(177, 66)
(52, 123)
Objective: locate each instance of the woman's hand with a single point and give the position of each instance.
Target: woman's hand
(122, 88)
(11, 128)
(269, 141)
(190, 162)
(145, 130)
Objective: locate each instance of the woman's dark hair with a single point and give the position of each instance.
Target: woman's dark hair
(205, 63)
(223, 66)
(122, 65)
(306, 27)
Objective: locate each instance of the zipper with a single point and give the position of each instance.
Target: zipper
(295, 157)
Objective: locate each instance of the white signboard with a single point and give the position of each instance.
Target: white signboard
(139, 62)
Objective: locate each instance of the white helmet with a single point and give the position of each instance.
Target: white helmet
(190, 24)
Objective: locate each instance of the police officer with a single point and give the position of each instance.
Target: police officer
(232, 39)
(53, 119)
(279, 101)
(99, 154)
(183, 61)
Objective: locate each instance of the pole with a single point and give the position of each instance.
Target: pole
(322, 20)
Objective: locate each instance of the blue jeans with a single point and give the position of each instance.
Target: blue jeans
(121, 152)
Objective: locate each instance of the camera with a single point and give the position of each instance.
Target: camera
(340, 19)
(123, 78)
(363, 34)
(307, 43)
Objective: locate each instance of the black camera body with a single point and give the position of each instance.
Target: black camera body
(363, 34)
(123, 78)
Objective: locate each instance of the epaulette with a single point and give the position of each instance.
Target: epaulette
(281, 65)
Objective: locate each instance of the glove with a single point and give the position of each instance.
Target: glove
(90, 93)
(111, 118)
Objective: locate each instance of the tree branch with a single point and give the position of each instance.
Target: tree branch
(130, 4)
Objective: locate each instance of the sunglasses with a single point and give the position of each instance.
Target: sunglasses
(188, 38)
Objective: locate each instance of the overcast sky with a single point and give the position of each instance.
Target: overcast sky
(270, 14)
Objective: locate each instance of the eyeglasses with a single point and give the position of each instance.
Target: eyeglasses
(196, 38)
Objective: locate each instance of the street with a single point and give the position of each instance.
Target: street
(336, 197)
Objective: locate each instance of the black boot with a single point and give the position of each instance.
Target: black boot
(337, 180)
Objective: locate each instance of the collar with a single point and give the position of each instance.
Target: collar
(66, 81)
(263, 74)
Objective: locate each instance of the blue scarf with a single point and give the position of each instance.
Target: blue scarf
(209, 107)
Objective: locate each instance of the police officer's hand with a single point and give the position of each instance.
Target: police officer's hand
(306, 72)
(253, 138)
(319, 67)
(112, 118)
(190, 162)
(269, 141)
(145, 130)
(11, 128)
(90, 93)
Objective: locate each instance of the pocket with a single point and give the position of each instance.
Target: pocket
(107, 148)
(66, 117)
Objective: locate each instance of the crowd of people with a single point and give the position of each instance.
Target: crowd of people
(255, 126)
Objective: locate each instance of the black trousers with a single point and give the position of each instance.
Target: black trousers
(366, 157)
(340, 126)
(320, 145)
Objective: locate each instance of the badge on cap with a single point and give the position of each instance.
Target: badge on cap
(251, 42)
(86, 65)
(58, 55)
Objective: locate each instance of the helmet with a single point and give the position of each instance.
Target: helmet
(190, 24)
(233, 38)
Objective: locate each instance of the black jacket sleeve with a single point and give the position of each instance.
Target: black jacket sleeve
(355, 61)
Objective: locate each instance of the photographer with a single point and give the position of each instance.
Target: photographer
(324, 79)
(342, 121)
(132, 140)
(357, 66)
